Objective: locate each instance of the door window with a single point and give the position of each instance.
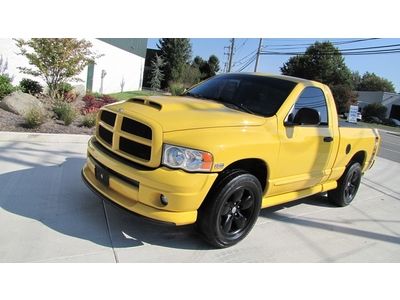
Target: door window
(313, 97)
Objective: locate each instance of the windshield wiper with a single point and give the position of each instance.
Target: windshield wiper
(238, 106)
(194, 95)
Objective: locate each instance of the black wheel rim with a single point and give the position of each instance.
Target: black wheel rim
(351, 187)
(236, 212)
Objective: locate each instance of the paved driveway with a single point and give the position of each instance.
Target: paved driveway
(47, 214)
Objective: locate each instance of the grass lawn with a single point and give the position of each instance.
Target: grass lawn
(131, 94)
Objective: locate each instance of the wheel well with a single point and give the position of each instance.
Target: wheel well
(256, 167)
(358, 157)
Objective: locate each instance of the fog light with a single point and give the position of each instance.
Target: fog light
(163, 200)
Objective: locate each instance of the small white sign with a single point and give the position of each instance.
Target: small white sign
(352, 117)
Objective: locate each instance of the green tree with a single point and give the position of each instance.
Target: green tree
(207, 68)
(356, 79)
(213, 62)
(176, 53)
(190, 76)
(5, 86)
(323, 62)
(56, 60)
(344, 97)
(157, 74)
(372, 82)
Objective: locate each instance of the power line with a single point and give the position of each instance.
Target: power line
(298, 46)
(248, 63)
(240, 61)
(248, 59)
(354, 51)
(376, 47)
(238, 48)
(345, 50)
(327, 53)
(334, 43)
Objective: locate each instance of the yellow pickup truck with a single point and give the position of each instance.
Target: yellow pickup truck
(226, 148)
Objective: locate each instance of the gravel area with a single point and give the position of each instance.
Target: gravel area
(12, 122)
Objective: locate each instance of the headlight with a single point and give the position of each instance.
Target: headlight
(187, 159)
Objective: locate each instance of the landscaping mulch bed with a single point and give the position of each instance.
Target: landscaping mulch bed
(15, 123)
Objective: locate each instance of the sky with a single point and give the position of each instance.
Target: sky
(384, 65)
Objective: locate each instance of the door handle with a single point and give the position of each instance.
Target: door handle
(328, 139)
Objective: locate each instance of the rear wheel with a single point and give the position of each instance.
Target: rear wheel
(348, 185)
(231, 209)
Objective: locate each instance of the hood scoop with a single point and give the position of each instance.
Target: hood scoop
(145, 102)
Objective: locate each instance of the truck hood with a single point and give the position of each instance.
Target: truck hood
(182, 113)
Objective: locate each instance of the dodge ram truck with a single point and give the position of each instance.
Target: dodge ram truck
(223, 150)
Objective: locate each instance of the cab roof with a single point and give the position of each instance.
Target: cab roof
(283, 77)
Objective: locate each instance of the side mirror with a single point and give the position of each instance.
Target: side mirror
(305, 116)
(289, 122)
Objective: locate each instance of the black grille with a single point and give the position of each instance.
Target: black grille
(136, 128)
(108, 117)
(128, 162)
(105, 135)
(135, 149)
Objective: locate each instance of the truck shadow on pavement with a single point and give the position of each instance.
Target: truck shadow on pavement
(57, 197)
(337, 226)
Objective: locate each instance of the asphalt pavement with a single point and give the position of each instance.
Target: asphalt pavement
(390, 146)
(47, 214)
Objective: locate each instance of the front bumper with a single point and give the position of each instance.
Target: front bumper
(139, 189)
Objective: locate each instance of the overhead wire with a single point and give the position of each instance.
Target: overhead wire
(349, 49)
(333, 42)
(248, 59)
(240, 61)
(248, 63)
(371, 52)
(238, 48)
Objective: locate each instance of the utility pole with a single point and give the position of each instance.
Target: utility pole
(226, 52)
(258, 55)
(231, 54)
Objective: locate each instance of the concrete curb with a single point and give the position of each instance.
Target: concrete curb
(6, 136)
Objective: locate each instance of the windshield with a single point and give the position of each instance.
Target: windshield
(255, 94)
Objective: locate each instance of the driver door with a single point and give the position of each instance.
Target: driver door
(305, 150)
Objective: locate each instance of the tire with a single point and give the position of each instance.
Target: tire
(347, 187)
(231, 209)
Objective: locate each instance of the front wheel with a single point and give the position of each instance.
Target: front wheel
(231, 209)
(347, 187)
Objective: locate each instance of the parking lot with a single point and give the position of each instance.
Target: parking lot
(47, 214)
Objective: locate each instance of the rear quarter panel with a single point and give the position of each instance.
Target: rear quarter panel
(352, 141)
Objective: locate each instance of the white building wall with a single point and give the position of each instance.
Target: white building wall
(116, 62)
